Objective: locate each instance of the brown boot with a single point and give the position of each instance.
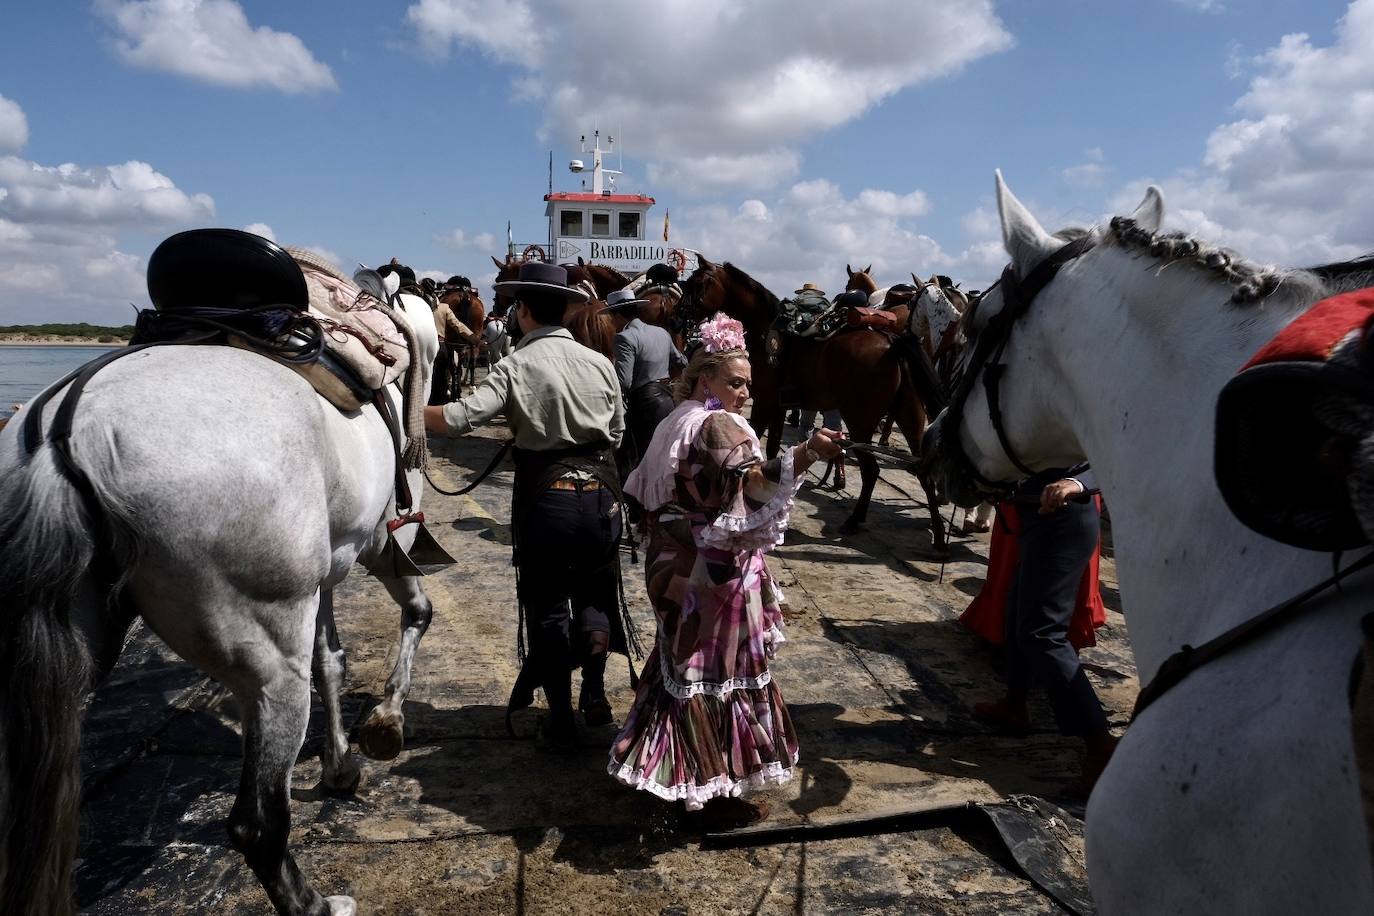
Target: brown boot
(1006, 716)
(1100, 750)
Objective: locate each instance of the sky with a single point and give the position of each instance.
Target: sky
(792, 137)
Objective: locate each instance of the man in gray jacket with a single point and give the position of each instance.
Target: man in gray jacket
(644, 357)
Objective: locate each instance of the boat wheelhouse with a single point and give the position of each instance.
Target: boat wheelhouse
(601, 226)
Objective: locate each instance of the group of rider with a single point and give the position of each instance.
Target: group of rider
(574, 443)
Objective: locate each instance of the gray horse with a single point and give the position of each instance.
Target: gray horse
(231, 500)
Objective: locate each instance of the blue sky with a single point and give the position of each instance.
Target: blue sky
(790, 136)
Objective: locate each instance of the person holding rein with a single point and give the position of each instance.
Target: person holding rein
(709, 723)
(562, 403)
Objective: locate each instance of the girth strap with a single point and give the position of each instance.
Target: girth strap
(1188, 659)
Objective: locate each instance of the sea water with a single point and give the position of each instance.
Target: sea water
(27, 370)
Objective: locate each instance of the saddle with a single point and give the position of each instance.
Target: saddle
(364, 348)
(866, 316)
(1294, 450)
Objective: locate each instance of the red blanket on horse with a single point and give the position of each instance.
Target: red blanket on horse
(987, 612)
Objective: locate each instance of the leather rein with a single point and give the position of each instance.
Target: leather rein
(986, 360)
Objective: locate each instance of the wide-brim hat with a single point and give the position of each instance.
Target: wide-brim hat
(808, 288)
(622, 300)
(1282, 471)
(538, 277)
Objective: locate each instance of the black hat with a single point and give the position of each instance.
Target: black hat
(405, 273)
(226, 268)
(458, 281)
(661, 275)
(851, 299)
(538, 277)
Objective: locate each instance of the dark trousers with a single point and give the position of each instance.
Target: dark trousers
(567, 555)
(647, 406)
(1054, 552)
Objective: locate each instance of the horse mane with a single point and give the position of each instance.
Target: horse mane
(1250, 282)
(754, 286)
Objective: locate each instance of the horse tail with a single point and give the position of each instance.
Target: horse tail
(47, 550)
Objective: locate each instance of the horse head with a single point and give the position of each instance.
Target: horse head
(860, 280)
(980, 444)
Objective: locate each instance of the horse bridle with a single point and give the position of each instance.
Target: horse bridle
(986, 361)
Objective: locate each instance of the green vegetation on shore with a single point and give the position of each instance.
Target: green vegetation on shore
(82, 330)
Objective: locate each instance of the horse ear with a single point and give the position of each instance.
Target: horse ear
(703, 263)
(1024, 238)
(848, 270)
(1150, 214)
(580, 262)
(868, 270)
(499, 265)
(916, 280)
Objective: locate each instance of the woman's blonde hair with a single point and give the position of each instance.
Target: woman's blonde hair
(703, 363)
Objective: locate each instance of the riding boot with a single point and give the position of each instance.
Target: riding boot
(561, 728)
(592, 702)
(522, 694)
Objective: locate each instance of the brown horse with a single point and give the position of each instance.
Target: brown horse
(857, 371)
(467, 307)
(585, 321)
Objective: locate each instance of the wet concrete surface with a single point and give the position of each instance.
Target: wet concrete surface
(878, 674)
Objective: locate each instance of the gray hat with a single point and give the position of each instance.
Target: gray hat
(538, 277)
(622, 300)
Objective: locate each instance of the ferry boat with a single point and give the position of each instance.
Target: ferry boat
(602, 227)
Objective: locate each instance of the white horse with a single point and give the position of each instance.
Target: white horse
(229, 500)
(1236, 791)
(496, 338)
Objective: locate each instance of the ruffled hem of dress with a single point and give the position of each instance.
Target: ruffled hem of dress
(694, 795)
(761, 529)
(718, 689)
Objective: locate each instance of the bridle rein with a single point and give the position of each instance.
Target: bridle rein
(986, 361)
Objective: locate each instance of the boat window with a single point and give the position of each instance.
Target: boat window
(629, 225)
(570, 223)
(601, 224)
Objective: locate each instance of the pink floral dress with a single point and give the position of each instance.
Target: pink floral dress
(708, 719)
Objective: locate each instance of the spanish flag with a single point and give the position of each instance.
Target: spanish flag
(665, 225)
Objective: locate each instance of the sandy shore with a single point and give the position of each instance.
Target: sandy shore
(58, 342)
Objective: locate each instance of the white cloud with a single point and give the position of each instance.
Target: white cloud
(14, 126)
(1292, 180)
(461, 240)
(261, 229)
(811, 231)
(716, 92)
(213, 42)
(1203, 6)
(64, 230)
(1091, 172)
(133, 193)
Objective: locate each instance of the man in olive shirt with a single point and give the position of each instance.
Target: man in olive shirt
(450, 331)
(562, 403)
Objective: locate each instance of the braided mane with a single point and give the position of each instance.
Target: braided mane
(1250, 282)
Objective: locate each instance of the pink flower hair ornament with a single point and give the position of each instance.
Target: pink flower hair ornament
(721, 332)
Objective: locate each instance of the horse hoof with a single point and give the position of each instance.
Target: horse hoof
(343, 784)
(381, 737)
(339, 905)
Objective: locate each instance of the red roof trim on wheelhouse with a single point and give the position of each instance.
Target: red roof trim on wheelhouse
(589, 198)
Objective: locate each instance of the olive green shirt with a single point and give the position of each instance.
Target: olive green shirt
(553, 391)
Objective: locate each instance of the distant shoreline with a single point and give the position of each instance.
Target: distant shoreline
(58, 342)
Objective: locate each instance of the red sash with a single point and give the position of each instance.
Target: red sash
(987, 612)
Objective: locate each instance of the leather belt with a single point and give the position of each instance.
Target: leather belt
(565, 483)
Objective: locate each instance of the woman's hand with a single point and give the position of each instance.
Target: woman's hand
(823, 442)
(1057, 495)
